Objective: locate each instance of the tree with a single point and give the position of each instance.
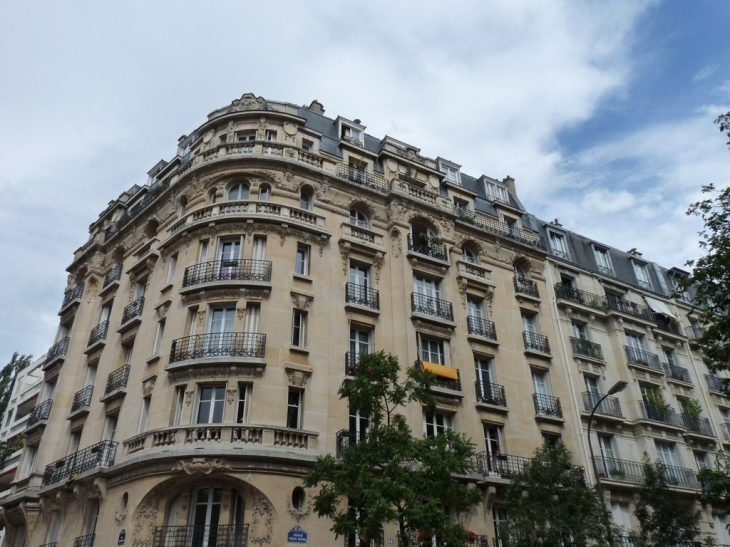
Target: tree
(550, 504)
(716, 483)
(388, 475)
(7, 380)
(666, 517)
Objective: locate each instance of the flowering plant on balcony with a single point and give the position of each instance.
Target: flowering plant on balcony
(471, 537)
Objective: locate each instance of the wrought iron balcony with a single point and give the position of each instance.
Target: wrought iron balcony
(654, 413)
(432, 306)
(363, 178)
(115, 274)
(345, 439)
(624, 306)
(643, 358)
(362, 296)
(97, 455)
(677, 373)
(481, 327)
(697, 424)
(57, 350)
(681, 477)
(610, 406)
(492, 394)
(132, 310)
(547, 405)
(224, 344)
(581, 297)
(497, 227)
(619, 470)
(82, 398)
(715, 383)
(39, 413)
(536, 342)
(74, 294)
(503, 465)
(352, 360)
(669, 325)
(98, 333)
(354, 540)
(229, 535)
(429, 246)
(447, 383)
(51, 544)
(227, 270)
(117, 380)
(84, 541)
(581, 346)
(525, 286)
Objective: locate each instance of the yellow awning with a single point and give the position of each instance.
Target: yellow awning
(441, 370)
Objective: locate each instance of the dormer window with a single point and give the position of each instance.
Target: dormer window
(307, 146)
(496, 192)
(602, 260)
(451, 172)
(642, 275)
(351, 133)
(558, 245)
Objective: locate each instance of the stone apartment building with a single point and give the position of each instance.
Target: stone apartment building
(214, 312)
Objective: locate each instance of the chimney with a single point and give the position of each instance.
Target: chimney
(556, 223)
(357, 121)
(317, 107)
(509, 182)
(634, 252)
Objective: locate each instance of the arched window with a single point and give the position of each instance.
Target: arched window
(521, 272)
(305, 200)
(469, 255)
(358, 218)
(264, 192)
(183, 206)
(238, 191)
(202, 521)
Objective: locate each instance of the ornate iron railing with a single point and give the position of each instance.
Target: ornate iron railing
(425, 245)
(229, 535)
(39, 413)
(655, 413)
(363, 296)
(432, 306)
(97, 455)
(363, 178)
(526, 286)
(84, 541)
(98, 333)
(680, 476)
(677, 373)
(224, 344)
(352, 360)
(547, 405)
(57, 349)
(713, 382)
(82, 398)
(581, 346)
(581, 297)
(152, 194)
(227, 270)
(610, 406)
(73, 294)
(117, 379)
(115, 274)
(447, 383)
(345, 439)
(643, 358)
(536, 342)
(481, 327)
(492, 394)
(697, 424)
(619, 470)
(504, 465)
(500, 228)
(132, 310)
(624, 306)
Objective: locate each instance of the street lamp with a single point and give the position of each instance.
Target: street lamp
(616, 388)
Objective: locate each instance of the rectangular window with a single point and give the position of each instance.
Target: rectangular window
(127, 349)
(634, 341)
(142, 424)
(642, 275)
(110, 428)
(171, 269)
(259, 248)
(452, 175)
(179, 401)
(701, 460)
(302, 265)
(476, 307)
(666, 454)
(307, 146)
(351, 133)
(435, 423)
(433, 351)
(73, 445)
(203, 251)
(90, 376)
(211, 403)
(54, 527)
(245, 136)
(602, 261)
(105, 312)
(669, 356)
(496, 192)
(580, 331)
(241, 405)
(299, 329)
(270, 135)
(359, 342)
(252, 318)
(485, 374)
(30, 453)
(294, 409)
(492, 439)
(558, 245)
(541, 382)
(158, 337)
(529, 323)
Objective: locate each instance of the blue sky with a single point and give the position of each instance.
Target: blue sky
(601, 111)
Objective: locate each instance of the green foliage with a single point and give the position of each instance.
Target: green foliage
(716, 483)
(391, 476)
(654, 397)
(7, 380)
(7, 448)
(665, 517)
(691, 407)
(550, 504)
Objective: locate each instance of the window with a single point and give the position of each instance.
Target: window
(496, 192)
(259, 248)
(179, 401)
(622, 518)
(270, 135)
(602, 261)
(307, 146)
(90, 376)
(541, 382)
(669, 356)
(30, 453)
(359, 343)
(211, 402)
(53, 527)
(241, 405)
(229, 254)
(252, 317)
(302, 264)
(238, 191)
(469, 256)
(530, 323)
(476, 307)
(701, 460)
(142, 424)
(642, 275)
(666, 454)
(299, 329)
(294, 409)
(681, 293)
(551, 439)
(492, 439)
(605, 445)
(452, 175)
(245, 136)
(485, 374)
(92, 514)
(351, 133)
(580, 331)
(110, 428)
(558, 245)
(264, 192)
(512, 227)
(359, 219)
(73, 445)
(499, 517)
(432, 351)
(635, 341)
(171, 269)
(427, 288)
(203, 251)
(358, 425)
(158, 337)
(435, 423)
(305, 200)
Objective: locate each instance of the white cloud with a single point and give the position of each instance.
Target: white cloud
(705, 72)
(603, 200)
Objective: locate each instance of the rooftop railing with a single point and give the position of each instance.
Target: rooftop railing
(429, 246)
(363, 178)
(581, 346)
(152, 194)
(224, 344)
(432, 306)
(481, 327)
(227, 270)
(362, 295)
(97, 455)
(525, 286)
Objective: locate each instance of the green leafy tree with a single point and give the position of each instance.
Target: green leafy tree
(550, 504)
(391, 476)
(7, 380)
(716, 483)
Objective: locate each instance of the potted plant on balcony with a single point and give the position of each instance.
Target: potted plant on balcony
(471, 537)
(655, 399)
(691, 407)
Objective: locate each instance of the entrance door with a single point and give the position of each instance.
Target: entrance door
(206, 515)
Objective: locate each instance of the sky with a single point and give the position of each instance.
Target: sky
(602, 111)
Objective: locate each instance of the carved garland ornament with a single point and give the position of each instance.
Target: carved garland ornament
(201, 466)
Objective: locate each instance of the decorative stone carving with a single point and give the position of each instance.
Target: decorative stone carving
(163, 308)
(148, 385)
(410, 154)
(189, 397)
(297, 378)
(255, 294)
(120, 515)
(230, 396)
(300, 514)
(201, 466)
(213, 372)
(201, 317)
(301, 301)
(463, 284)
(430, 328)
(145, 518)
(395, 243)
(262, 523)
(30, 510)
(240, 312)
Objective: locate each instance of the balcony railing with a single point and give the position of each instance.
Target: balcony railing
(581, 297)
(432, 306)
(654, 413)
(610, 406)
(481, 327)
(224, 344)
(492, 394)
(448, 383)
(352, 360)
(547, 405)
(345, 439)
(581, 346)
(537, 342)
(497, 227)
(115, 274)
(133, 310)
(354, 540)
(362, 296)
(100, 454)
(620, 470)
(425, 245)
(72, 295)
(503, 465)
(152, 194)
(643, 358)
(39, 413)
(227, 270)
(229, 535)
(681, 476)
(713, 382)
(51, 544)
(525, 286)
(697, 424)
(677, 373)
(668, 325)
(57, 349)
(363, 178)
(624, 306)
(82, 398)
(84, 541)
(98, 333)
(117, 379)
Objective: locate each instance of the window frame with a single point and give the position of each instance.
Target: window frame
(213, 401)
(299, 328)
(446, 419)
(297, 407)
(302, 259)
